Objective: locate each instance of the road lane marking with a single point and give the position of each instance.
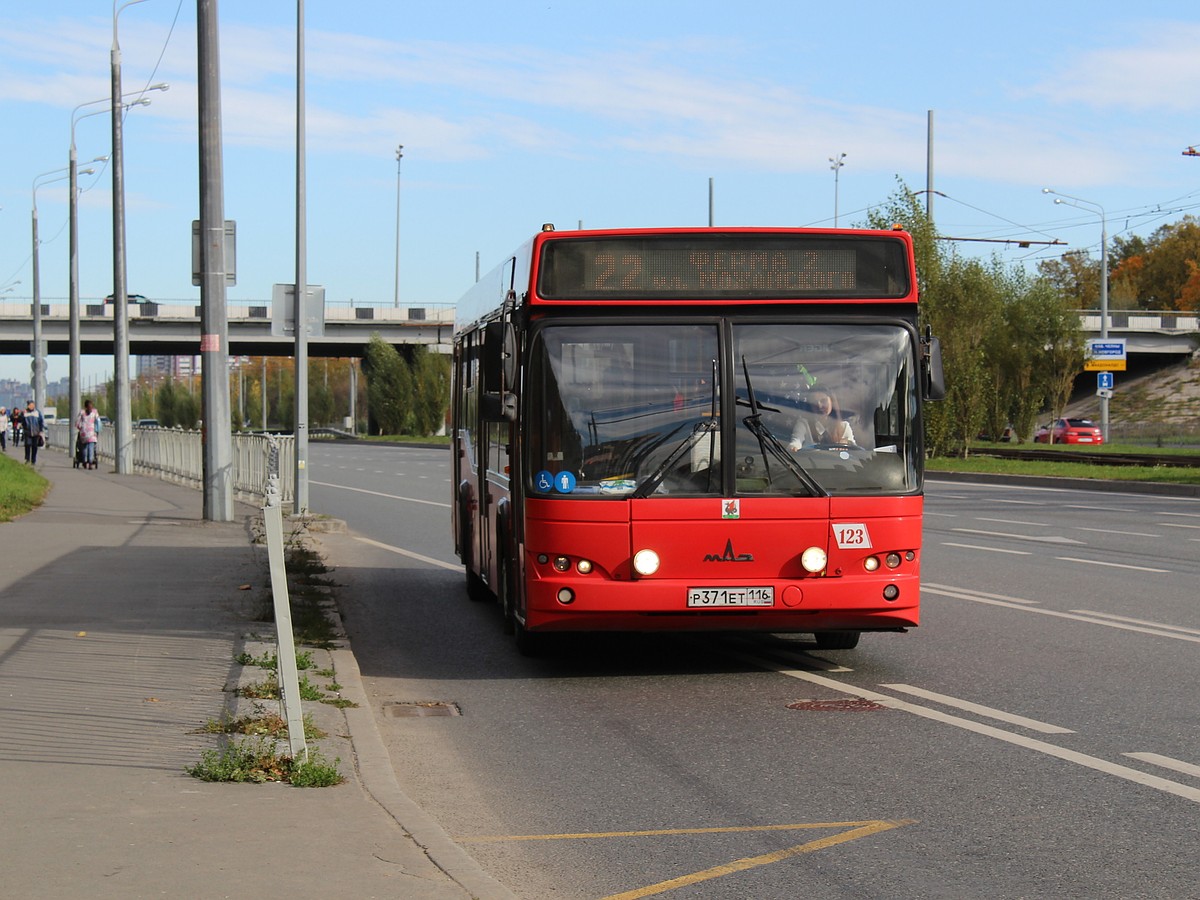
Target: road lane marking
(409, 553)
(1111, 565)
(1012, 604)
(989, 549)
(1072, 756)
(1114, 531)
(1176, 525)
(1047, 539)
(342, 487)
(970, 594)
(856, 830)
(1187, 515)
(1012, 522)
(1098, 508)
(1166, 762)
(1089, 612)
(979, 710)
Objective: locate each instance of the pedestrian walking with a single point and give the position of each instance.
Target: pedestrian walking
(4, 428)
(34, 427)
(87, 424)
(17, 418)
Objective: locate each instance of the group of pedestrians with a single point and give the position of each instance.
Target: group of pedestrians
(29, 430)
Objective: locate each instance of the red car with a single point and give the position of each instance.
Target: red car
(1069, 431)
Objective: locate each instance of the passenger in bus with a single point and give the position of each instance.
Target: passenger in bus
(823, 425)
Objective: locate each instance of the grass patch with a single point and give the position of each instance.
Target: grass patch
(270, 660)
(256, 760)
(406, 439)
(261, 723)
(268, 689)
(22, 488)
(986, 465)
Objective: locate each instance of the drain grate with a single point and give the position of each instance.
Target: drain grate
(856, 704)
(421, 708)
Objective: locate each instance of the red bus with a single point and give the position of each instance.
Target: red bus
(694, 429)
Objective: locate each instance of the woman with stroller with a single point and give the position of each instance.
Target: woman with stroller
(87, 424)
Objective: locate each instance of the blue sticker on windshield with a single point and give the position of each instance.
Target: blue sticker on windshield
(564, 482)
(543, 481)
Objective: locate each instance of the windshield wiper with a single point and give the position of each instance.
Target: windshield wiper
(767, 441)
(711, 426)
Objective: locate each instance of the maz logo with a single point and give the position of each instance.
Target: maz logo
(729, 555)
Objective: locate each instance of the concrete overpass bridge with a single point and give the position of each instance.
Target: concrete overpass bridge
(1147, 331)
(173, 329)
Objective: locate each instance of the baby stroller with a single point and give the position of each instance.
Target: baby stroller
(78, 460)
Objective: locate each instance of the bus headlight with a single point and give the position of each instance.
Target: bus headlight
(871, 563)
(813, 559)
(646, 562)
(584, 567)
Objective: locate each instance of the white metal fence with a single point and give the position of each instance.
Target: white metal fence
(173, 454)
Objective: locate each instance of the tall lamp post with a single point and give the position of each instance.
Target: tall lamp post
(399, 156)
(76, 392)
(123, 414)
(837, 163)
(1090, 205)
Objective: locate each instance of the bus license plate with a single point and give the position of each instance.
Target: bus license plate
(715, 597)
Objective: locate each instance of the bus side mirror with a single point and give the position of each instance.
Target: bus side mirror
(931, 363)
(499, 355)
(499, 406)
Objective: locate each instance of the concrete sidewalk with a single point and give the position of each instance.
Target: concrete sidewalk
(121, 612)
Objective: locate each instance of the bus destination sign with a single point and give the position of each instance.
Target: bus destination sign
(741, 265)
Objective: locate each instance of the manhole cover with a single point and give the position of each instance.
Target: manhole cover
(398, 710)
(856, 704)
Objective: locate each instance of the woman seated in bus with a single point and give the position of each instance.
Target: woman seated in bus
(824, 425)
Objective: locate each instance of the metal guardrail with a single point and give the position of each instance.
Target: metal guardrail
(176, 455)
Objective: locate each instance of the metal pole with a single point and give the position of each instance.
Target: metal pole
(396, 295)
(123, 412)
(74, 391)
(1103, 310)
(710, 202)
(39, 384)
(216, 436)
(929, 168)
(300, 502)
(837, 169)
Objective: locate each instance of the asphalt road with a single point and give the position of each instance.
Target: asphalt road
(1036, 737)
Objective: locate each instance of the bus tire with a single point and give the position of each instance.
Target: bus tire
(837, 640)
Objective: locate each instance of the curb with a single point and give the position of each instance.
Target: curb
(1078, 484)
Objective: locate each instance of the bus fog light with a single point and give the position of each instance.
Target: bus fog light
(813, 559)
(566, 596)
(892, 560)
(584, 566)
(891, 592)
(542, 559)
(910, 555)
(561, 563)
(646, 562)
(871, 563)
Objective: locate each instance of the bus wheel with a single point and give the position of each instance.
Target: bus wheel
(476, 589)
(837, 640)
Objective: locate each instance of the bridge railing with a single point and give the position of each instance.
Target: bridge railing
(176, 455)
(1141, 320)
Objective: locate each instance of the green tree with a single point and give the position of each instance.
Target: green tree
(431, 390)
(389, 387)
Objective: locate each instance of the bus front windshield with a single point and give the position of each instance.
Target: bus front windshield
(721, 409)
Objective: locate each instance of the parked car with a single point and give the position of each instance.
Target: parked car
(1069, 431)
(146, 423)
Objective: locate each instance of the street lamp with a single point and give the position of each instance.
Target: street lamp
(39, 363)
(1080, 203)
(837, 169)
(76, 392)
(399, 156)
(122, 412)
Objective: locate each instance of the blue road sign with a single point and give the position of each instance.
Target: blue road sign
(1104, 381)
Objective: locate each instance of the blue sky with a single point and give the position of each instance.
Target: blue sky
(618, 113)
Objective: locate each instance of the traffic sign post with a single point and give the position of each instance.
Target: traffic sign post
(1104, 381)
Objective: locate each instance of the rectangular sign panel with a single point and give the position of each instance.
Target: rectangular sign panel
(1105, 355)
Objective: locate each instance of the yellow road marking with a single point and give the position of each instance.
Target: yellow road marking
(856, 830)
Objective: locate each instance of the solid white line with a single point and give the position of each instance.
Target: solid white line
(1098, 508)
(1049, 539)
(410, 554)
(1111, 565)
(1012, 522)
(1188, 515)
(1166, 762)
(1176, 525)
(1089, 612)
(342, 487)
(986, 711)
(989, 549)
(1071, 756)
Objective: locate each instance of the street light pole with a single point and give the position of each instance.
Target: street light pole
(300, 487)
(1080, 203)
(76, 393)
(399, 156)
(837, 169)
